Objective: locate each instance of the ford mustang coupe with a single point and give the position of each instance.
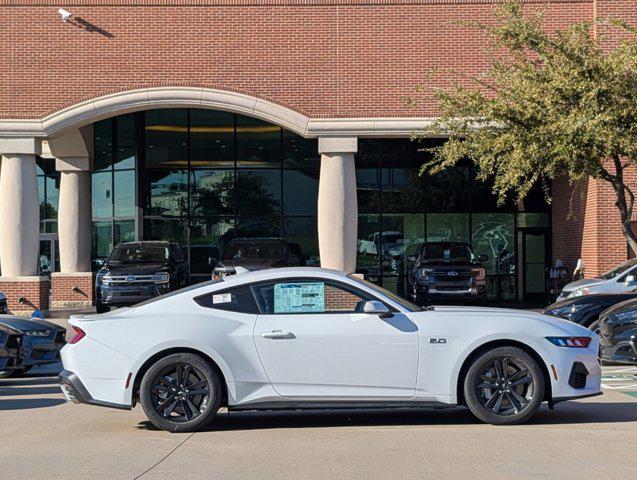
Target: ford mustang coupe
(307, 338)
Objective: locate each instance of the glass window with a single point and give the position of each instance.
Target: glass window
(167, 138)
(368, 243)
(212, 192)
(123, 231)
(301, 234)
(102, 239)
(211, 139)
(172, 229)
(258, 192)
(211, 231)
(168, 193)
(103, 145)
(258, 227)
(126, 142)
(533, 220)
(448, 227)
(300, 192)
(448, 191)
(258, 143)
(493, 235)
(299, 152)
(367, 187)
(125, 193)
(102, 188)
(240, 300)
(307, 296)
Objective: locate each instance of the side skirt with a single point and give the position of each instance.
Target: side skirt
(335, 405)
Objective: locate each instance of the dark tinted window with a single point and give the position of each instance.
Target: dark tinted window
(256, 250)
(139, 254)
(239, 299)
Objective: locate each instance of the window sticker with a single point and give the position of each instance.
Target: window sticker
(299, 297)
(222, 298)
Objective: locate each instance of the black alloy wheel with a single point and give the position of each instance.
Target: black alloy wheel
(504, 386)
(180, 393)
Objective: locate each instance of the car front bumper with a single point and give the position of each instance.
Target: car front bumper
(120, 295)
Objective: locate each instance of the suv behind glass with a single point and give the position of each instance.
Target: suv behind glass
(137, 271)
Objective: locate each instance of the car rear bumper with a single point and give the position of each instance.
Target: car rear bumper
(75, 391)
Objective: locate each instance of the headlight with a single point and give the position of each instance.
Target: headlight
(580, 292)
(479, 273)
(425, 272)
(38, 333)
(568, 310)
(161, 278)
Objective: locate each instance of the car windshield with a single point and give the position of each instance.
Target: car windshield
(407, 305)
(139, 254)
(256, 250)
(619, 269)
(445, 252)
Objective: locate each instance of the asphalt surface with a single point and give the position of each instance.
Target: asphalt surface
(42, 437)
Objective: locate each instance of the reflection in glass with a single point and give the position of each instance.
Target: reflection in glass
(101, 190)
(167, 138)
(368, 245)
(448, 191)
(125, 193)
(258, 143)
(168, 193)
(126, 142)
(211, 138)
(102, 239)
(303, 232)
(533, 220)
(211, 231)
(103, 145)
(450, 227)
(258, 192)
(493, 236)
(299, 152)
(171, 229)
(124, 231)
(300, 191)
(258, 227)
(212, 192)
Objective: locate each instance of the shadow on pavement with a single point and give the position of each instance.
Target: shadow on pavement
(27, 403)
(588, 412)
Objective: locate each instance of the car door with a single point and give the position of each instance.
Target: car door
(314, 343)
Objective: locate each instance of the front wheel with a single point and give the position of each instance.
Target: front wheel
(180, 393)
(504, 386)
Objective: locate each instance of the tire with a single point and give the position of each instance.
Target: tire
(169, 404)
(496, 404)
(101, 308)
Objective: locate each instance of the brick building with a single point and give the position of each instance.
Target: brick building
(123, 120)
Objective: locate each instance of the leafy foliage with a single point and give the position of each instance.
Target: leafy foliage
(551, 104)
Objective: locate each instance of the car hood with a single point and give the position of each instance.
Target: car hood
(23, 324)
(486, 314)
(136, 268)
(585, 282)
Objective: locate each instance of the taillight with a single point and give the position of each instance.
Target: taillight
(570, 342)
(79, 335)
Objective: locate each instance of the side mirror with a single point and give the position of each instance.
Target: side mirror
(373, 307)
(482, 258)
(226, 270)
(212, 261)
(630, 280)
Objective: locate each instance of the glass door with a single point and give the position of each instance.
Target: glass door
(48, 259)
(535, 251)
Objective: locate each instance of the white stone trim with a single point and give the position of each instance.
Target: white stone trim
(90, 111)
(34, 279)
(337, 145)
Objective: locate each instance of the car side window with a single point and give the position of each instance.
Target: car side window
(238, 299)
(309, 296)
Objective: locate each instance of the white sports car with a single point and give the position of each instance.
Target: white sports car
(293, 338)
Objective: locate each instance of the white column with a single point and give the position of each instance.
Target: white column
(337, 204)
(19, 207)
(74, 210)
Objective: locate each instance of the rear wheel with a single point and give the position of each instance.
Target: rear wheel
(504, 386)
(180, 393)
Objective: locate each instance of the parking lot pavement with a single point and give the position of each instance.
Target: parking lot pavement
(42, 437)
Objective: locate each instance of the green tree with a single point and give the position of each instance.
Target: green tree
(550, 104)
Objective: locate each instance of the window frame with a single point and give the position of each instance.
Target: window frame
(199, 298)
(327, 281)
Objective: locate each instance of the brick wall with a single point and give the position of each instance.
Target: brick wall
(71, 290)
(324, 58)
(34, 292)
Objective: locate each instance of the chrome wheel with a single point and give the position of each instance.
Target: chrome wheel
(180, 392)
(504, 386)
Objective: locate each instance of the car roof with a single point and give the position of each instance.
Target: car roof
(147, 242)
(274, 273)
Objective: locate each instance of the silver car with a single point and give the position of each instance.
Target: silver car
(619, 279)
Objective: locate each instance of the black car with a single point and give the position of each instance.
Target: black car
(586, 309)
(446, 270)
(138, 271)
(11, 349)
(258, 254)
(618, 333)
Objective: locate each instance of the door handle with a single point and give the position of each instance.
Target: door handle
(278, 335)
